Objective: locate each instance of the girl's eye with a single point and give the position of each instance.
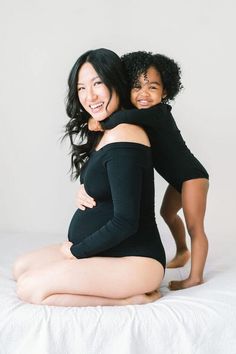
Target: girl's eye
(80, 88)
(153, 87)
(137, 88)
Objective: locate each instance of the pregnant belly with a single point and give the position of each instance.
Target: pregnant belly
(85, 222)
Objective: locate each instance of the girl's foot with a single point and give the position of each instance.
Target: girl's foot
(179, 260)
(184, 284)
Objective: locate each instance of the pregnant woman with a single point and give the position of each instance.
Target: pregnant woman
(114, 255)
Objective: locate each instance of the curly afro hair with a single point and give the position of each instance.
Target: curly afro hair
(137, 63)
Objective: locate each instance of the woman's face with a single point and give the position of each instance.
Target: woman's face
(148, 90)
(94, 94)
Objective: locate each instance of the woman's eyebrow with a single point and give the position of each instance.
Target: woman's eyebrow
(94, 78)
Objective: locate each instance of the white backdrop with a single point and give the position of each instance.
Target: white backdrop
(40, 41)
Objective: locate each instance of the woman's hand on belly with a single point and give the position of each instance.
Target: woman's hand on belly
(65, 250)
(83, 200)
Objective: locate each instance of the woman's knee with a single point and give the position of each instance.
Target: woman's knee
(28, 290)
(19, 267)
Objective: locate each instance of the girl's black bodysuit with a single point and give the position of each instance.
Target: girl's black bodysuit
(120, 178)
(171, 157)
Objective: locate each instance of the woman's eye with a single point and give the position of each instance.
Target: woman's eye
(97, 83)
(80, 88)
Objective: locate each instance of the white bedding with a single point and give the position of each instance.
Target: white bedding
(199, 320)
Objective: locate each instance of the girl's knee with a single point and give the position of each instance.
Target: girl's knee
(170, 207)
(195, 229)
(167, 215)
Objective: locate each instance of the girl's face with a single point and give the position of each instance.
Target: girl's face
(94, 94)
(148, 90)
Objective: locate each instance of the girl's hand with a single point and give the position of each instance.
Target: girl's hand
(83, 200)
(65, 249)
(94, 125)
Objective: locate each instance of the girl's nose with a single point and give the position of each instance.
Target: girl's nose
(144, 91)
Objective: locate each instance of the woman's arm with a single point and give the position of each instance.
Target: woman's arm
(149, 117)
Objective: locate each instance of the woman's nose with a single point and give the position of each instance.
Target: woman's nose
(91, 95)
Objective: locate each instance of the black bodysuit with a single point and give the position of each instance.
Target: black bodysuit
(120, 178)
(171, 157)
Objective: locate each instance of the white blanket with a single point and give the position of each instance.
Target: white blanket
(199, 320)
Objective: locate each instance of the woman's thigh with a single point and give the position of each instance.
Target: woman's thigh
(37, 259)
(96, 276)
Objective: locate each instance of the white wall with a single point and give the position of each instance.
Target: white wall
(41, 39)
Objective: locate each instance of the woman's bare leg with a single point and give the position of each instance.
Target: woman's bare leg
(171, 204)
(84, 300)
(100, 277)
(194, 195)
(36, 259)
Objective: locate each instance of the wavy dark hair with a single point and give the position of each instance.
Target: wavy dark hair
(110, 69)
(137, 63)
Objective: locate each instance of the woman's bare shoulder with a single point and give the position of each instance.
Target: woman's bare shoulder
(129, 133)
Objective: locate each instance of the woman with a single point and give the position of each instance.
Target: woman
(153, 81)
(114, 255)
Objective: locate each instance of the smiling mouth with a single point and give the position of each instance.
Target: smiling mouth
(96, 107)
(144, 102)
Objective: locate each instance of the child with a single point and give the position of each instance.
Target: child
(154, 80)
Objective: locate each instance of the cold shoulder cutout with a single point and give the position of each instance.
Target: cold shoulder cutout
(125, 133)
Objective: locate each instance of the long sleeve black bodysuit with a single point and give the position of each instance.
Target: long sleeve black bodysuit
(120, 178)
(171, 157)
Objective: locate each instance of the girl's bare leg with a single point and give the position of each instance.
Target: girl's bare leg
(194, 195)
(36, 259)
(95, 277)
(171, 204)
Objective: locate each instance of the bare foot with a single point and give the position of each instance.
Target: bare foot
(179, 260)
(143, 298)
(183, 284)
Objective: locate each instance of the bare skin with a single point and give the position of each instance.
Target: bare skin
(83, 300)
(194, 194)
(171, 204)
(52, 276)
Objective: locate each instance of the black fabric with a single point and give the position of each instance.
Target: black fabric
(171, 157)
(120, 178)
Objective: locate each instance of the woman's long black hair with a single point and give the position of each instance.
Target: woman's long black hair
(109, 68)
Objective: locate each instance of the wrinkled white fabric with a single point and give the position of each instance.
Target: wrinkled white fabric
(198, 320)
